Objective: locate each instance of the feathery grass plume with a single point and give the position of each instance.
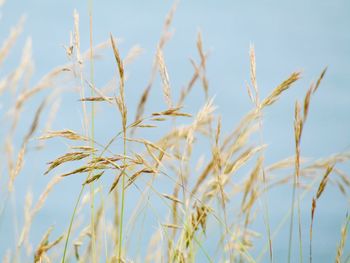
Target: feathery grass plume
(153, 156)
(307, 102)
(23, 71)
(171, 112)
(68, 157)
(341, 245)
(198, 69)
(247, 205)
(280, 89)
(203, 116)
(121, 98)
(30, 212)
(320, 190)
(343, 176)
(200, 49)
(14, 172)
(77, 37)
(101, 96)
(313, 88)
(218, 131)
(109, 99)
(70, 48)
(146, 142)
(243, 130)
(85, 148)
(299, 123)
(17, 168)
(9, 151)
(173, 226)
(11, 39)
(27, 220)
(67, 134)
(256, 101)
(165, 78)
(116, 180)
(120, 66)
(187, 89)
(313, 209)
(35, 122)
(298, 126)
(197, 218)
(165, 36)
(45, 245)
(255, 97)
(44, 83)
(172, 198)
(86, 169)
(93, 178)
(202, 212)
(318, 82)
(203, 65)
(168, 20)
(242, 159)
(44, 195)
(133, 53)
(137, 174)
(282, 164)
(252, 180)
(324, 181)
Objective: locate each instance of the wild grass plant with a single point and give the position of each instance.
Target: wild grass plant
(149, 193)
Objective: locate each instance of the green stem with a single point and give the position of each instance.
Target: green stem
(123, 201)
(92, 186)
(71, 223)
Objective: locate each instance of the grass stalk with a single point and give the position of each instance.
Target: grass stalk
(92, 185)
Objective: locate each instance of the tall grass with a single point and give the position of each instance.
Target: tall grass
(201, 210)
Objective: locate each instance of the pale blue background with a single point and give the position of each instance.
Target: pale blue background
(288, 36)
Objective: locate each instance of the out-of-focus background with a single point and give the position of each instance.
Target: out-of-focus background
(287, 36)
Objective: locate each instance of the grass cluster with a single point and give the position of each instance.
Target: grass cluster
(189, 209)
